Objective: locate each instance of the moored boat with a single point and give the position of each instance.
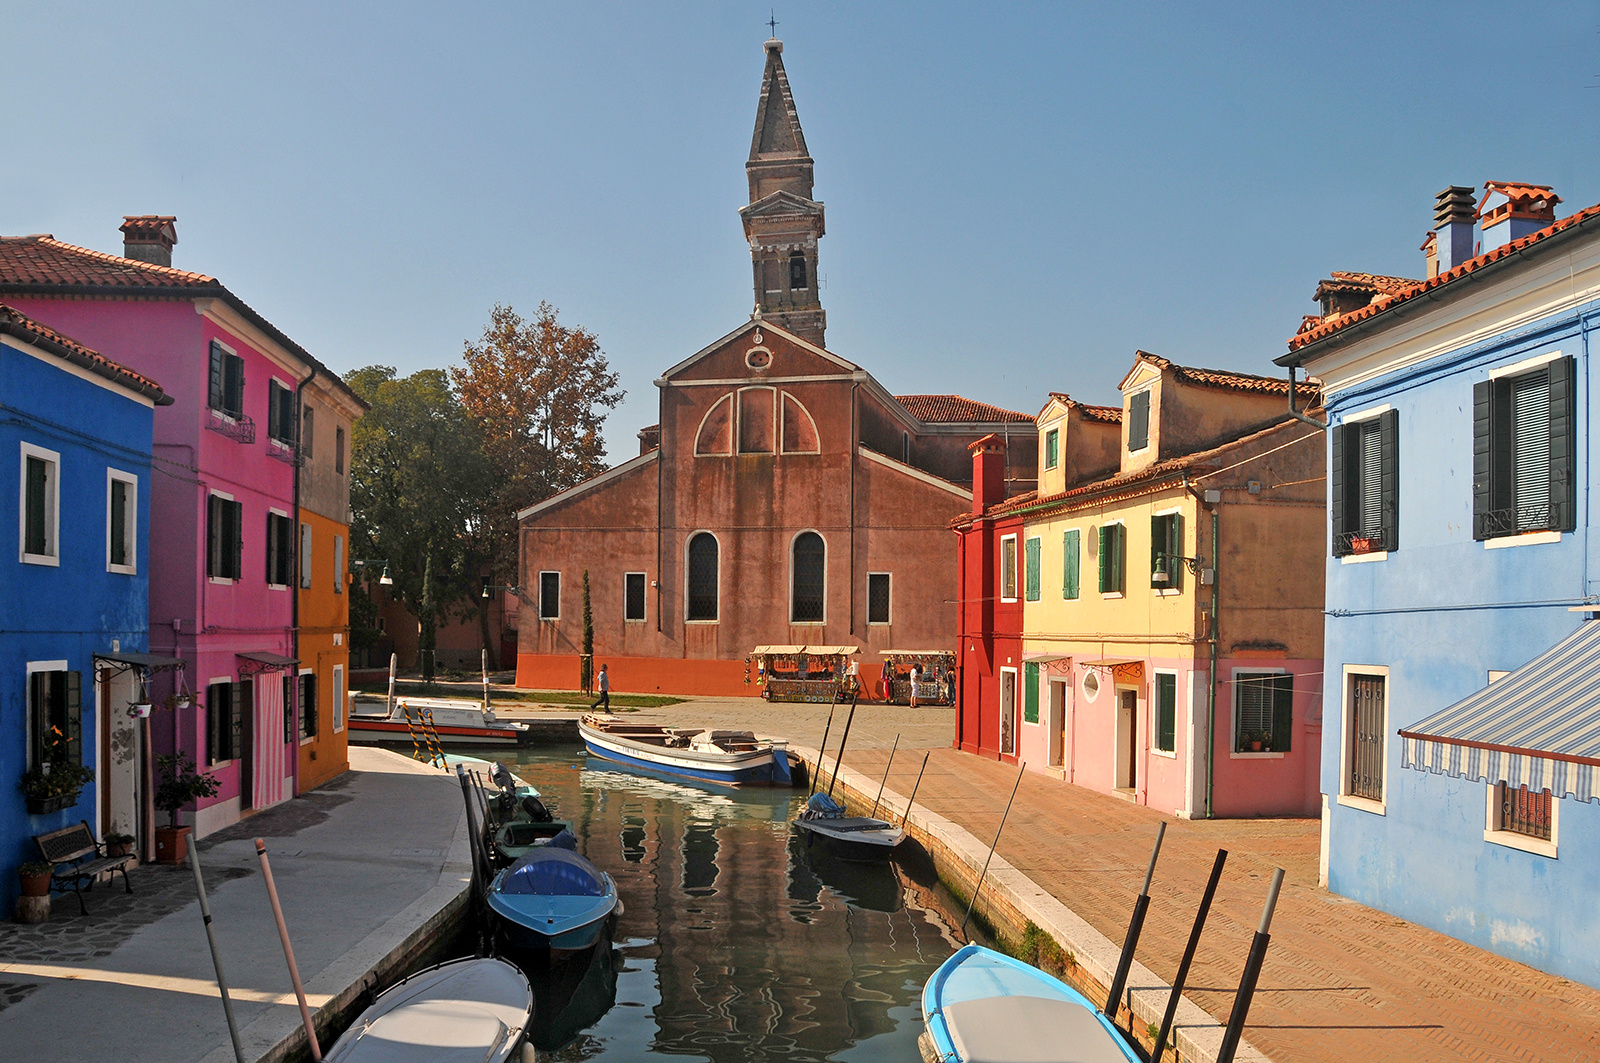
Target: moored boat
(454, 720)
(695, 753)
(982, 1005)
(849, 837)
(465, 1011)
(552, 899)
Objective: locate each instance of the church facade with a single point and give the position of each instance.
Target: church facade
(785, 497)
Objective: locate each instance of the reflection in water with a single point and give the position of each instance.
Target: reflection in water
(735, 943)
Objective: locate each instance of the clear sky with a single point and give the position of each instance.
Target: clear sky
(1018, 196)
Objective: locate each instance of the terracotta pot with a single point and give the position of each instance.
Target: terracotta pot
(172, 844)
(119, 848)
(35, 885)
(1255, 747)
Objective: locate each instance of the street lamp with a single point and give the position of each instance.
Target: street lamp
(490, 588)
(383, 580)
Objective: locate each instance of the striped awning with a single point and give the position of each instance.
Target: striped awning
(1538, 726)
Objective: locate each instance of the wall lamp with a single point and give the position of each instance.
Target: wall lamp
(383, 580)
(489, 588)
(1161, 576)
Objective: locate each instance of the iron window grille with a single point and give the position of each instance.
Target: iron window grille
(1523, 811)
(808, 599)
(702, 577)
(1524, 452)
(1364, 765)
(878, 598)
(308, 705)
(549, 595)
(633, 596)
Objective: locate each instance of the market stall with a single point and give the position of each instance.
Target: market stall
(937, 685)
(805, 673)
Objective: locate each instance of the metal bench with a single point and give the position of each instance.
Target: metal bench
(83, 857)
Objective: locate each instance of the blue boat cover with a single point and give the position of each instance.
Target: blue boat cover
(565, 840)
(824, 806)
(553, 872)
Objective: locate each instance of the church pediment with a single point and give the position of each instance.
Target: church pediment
(781, 202)
(756, 351)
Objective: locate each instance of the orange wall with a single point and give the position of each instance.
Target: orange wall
(324, 643)
(640, 675)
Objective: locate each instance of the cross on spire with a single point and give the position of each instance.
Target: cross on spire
(772, 21)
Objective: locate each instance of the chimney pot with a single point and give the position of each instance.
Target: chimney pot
(988, 472)
(149, 238)
(1455, 213)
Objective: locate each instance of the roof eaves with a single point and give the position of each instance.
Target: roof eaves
(25, 329)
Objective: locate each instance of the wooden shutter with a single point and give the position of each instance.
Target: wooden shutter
(213, 536)
(1389, 477)
(233, 371)
(38, 717)
(119, 522)
(1107, 533)
(1283, 711)
(1031, 563)
(236, 539)
(216, 392)
(1119, 544)
(272, 548)
(338, 564)
(1337, 518)
(72, 716)
(1030, 692)
(236, 709)
(1563, 445)
(305, 555)
(1139, 421)
(1166, 712)
(274, 411)
(1482, 446)
(1069, 563)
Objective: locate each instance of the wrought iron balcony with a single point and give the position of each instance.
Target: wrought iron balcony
(240, 429)
(1514, 520)
(1359, 542)
(288, 453)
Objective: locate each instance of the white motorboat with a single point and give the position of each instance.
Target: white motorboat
(850, 837)
(695, 753)
(455, 720)
(465, 1011)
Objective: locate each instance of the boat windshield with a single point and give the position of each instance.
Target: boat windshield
(553, 873)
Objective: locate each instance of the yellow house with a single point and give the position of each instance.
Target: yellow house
(1178, 597)
(328, 412)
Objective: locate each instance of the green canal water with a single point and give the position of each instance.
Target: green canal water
(736, 942)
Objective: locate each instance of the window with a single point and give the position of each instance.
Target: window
(305, 556)
(808, 597)
(1030, 691)
(877, 597)
(308, 705)
(1030, 554)
(1263, 712)
(702, 597)
(224, 538)
(226, 705)
(1523, 453)
(55, 715)
(1069, 563)
(1111, 548)
(225, 392)
(338, 564)
(1166, 712)
(1138, 421)
(338, 698)
(1364, 737)
(797, 270)
(633, 596)
(122, 522)
(338, 451)
(1166, 552)
(307, 431)
(280, 550)
(549, 595)
(280, 413)
(1008, 569)
(41, 505)
(1523, 811)
(1365, 485)
(291, 707)
(1052, 448)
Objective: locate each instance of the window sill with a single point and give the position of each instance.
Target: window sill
(1007, 601)
(1365, 804)
(1165, 754)
(1111, 594)
(1513, 840)
(633, 620)
(221, 581)
(1361, 559)
(41, 559)
(808, 623)
(1265, 754)
(701, 622)
(308, 739)
(877, 623)
(549, 620)
(122, 570)
(1166, 592)
(277, 586)
(1536, 538)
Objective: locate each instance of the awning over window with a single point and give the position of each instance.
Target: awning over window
(814, 651)
(141, 660)
(1538, 725)
(253, 661)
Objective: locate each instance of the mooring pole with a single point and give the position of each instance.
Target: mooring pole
(394, 662)
(1188, 956)
(1135, 925)
(216, 957)
(818, 773)
(487, 709)
(1252, 971)
(288, 951)
(885, 781)
(981, 875)
(914, 789)
(848, 720)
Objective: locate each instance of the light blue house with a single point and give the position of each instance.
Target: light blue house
(75, 464)
(1462, 683)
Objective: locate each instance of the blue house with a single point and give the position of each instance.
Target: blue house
(75, 462)
(1463, 580)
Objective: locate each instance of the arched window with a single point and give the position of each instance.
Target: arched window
(703, 577)
(810, 579)
(797, 270)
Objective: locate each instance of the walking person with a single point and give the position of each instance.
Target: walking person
(603, 681)
(916, 677)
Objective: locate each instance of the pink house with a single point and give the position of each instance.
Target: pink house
(224, 537)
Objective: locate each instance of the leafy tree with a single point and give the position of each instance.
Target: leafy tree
(419, 489)
(586, 661)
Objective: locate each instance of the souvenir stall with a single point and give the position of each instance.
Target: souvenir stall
(937, 687)
(805, 673)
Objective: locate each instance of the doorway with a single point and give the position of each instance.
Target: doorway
(1058, 715)
(1127, 739)
(121, 766)
(1008, 711)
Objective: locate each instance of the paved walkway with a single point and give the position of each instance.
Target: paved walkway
(360, 865)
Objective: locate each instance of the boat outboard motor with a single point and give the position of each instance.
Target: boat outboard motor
(821, 806)
(502, 778)
(535, 809)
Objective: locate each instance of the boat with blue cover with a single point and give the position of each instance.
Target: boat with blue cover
(849, 837)
(552, 899)
(690, 752)
(983, 1006)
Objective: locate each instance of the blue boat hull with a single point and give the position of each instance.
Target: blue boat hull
(556, 924)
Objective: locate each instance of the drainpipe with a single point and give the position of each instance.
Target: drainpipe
(1211, 692)
(294, 595)
(855, 456)
(1296, 414)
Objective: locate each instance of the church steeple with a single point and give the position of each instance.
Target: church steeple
(782, 221)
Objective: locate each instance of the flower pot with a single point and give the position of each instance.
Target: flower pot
(172, 844)
(119, 848)
(35, 885)
(40, 806)
(1255, 747)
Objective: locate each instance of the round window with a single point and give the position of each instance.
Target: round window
(1091, 684)
(758, 358)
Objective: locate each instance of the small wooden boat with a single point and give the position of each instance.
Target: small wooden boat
(455, 720)
(715, 756)
(552, 900)
(465, 1011)
(982, 1005)
(849, 837)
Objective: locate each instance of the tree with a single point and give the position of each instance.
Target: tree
(419, 487)
(586, 661)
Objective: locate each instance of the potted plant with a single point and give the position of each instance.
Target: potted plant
(35, 878)
(178, 783)
(55, 783)
(119, 844)
(1253, 740)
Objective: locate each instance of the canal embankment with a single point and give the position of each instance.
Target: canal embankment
(372, 870)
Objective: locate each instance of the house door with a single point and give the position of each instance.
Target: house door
(121, 769)
(267, 757)
(1008, 711)
(1127, 739)
(1058, 715)
(244, 749)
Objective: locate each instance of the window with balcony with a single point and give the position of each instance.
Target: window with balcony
(226, 386)
(280, 413)
(1365, 485)
(1523, 453)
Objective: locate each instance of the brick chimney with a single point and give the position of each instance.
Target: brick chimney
(1511, 210)
(1454, 218)
(149, 238)
(649, 439)
(988, 472)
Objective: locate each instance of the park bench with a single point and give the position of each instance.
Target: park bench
(83, 857)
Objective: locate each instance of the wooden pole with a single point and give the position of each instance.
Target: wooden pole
(973, 902)
(848, 720)
(288, 950)
(216, 957)
(1135, 926)
(885, 781)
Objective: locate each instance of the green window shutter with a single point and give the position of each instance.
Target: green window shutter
(1282, 713)
(1139, 421)
(1069, 564)
(1166, 712)
(1052, 447)
(1119, 548)
(1030, 692)
(1563, 446)
(72, 716)
(1031, 550)
(1104, 562)
(1166, 546)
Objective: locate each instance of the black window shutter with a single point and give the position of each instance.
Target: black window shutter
(213, 537)
(272, 548)
(39, 713)
(274, 428)
(1389, 478)
(1563, 445)
(236, 539)
(236, 721)
(1336, 482)
(217, 391)
(235, 374)
(1283, 710)
(73, 704)
(1482, 447)
(213, 722)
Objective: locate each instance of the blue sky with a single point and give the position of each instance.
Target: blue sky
(1018, 196)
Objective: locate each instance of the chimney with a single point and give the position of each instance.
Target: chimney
(149, 238)
(1526, 209)
(1430, 251)
(988, 472)
(1454, 213)
(649, 439)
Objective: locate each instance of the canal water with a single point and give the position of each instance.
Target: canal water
(736, 942)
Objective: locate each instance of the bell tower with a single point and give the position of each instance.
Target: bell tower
(782, 221)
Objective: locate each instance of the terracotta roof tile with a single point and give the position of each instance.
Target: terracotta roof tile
(1521, 195)
(15, 323)
(953, 409)
(1342, 281)
(1384, 302)
(1103, 414)
(46, 260)
(1218, 378)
